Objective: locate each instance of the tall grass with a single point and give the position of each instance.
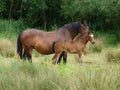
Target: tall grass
(26, 76)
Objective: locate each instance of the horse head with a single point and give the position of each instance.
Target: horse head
(83, 27)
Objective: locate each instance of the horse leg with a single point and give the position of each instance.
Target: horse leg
(55, 58)
(29, 58)
(80, 57)
(24, 56)
(28, 54)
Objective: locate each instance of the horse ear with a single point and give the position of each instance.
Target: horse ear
(84, 22)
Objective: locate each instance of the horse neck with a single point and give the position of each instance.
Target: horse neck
(72, 33)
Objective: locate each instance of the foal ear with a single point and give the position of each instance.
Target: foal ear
(89, 32)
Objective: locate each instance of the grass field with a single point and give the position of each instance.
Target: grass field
(95, 73)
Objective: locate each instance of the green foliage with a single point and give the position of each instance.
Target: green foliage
(2, 7)
(79, 9)
(35, 11)
(10, 28)
(101, 14)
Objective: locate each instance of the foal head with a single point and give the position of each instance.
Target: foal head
(91, 37)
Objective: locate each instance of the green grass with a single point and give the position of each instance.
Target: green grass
(25, 76)
(95, 73)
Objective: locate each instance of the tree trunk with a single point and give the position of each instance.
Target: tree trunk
(10, 11)
(21, 9)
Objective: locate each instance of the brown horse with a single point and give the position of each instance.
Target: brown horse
(43, 41)
(74, 46)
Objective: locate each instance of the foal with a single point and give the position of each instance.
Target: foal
(74, 46)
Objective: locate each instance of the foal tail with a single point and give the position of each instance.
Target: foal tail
(19, 46)
(53, 47)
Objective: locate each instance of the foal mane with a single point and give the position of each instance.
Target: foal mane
(80, 36)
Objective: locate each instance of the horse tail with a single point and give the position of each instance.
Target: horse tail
(53, 47)
(19, 46)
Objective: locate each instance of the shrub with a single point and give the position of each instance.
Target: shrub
(113, 56)
(7, 48)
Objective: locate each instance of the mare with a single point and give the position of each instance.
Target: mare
(43, 41)
(75, 46)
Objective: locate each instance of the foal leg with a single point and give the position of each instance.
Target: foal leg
(55, 58)
(59, 60)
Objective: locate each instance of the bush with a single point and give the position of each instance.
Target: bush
(113, 56)
(7, 48)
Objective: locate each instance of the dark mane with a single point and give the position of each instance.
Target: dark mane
(75, 26)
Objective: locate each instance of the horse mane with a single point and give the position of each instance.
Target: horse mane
(75, 26)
